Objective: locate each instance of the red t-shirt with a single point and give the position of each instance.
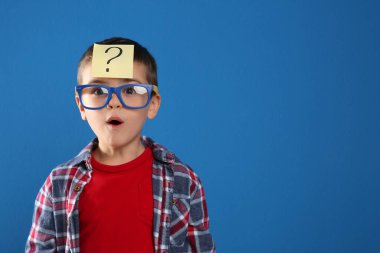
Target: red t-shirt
(116, 207)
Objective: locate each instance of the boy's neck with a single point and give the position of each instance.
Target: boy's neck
(116, 156)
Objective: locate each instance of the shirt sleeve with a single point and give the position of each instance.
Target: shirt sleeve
(199, 236)
(42, 236)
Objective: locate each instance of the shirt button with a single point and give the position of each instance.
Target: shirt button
(174, 201)
(77, 188)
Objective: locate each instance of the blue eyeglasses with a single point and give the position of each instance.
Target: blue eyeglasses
(97, 96)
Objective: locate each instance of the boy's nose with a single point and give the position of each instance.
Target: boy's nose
(114, 102)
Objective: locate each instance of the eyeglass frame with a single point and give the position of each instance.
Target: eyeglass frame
(111, 90)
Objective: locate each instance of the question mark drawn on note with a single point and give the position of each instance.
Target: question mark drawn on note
(120, 52)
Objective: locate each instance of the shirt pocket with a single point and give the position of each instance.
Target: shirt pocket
(179, 220)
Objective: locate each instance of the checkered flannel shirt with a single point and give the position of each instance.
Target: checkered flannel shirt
(180, 224)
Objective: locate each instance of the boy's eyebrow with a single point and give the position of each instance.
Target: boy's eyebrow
(96, 81)
(126, 80)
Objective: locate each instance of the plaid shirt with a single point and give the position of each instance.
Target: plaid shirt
(180, 223)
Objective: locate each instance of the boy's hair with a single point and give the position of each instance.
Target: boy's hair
(141, 55)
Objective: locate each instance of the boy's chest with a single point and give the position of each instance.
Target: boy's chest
(117, 205)
(120, 194)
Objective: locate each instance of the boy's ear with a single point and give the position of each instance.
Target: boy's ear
(154, 106)
(81, 109)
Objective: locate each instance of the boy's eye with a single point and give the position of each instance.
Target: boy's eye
(99, 91)
(139, 90)
(129, 90)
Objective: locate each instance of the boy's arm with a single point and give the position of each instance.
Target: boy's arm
(42, 234)
(199, 236)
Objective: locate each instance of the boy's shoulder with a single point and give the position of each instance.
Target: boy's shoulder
(165, 156)
(70, 167)
(181, 171)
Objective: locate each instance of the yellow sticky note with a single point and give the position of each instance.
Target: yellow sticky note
(114, 61)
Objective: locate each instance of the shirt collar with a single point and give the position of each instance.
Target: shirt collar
(160, 153)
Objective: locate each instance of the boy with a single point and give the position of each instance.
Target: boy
(123, 192)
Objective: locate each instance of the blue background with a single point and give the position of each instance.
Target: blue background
(274, 103)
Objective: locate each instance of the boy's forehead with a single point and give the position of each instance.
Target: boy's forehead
(102, 80)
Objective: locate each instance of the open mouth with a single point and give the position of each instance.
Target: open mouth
(114, 121)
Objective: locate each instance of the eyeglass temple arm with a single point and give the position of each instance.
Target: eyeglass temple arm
(155, 89)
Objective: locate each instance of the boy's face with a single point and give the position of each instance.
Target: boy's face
(102, 122)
